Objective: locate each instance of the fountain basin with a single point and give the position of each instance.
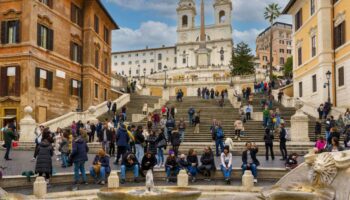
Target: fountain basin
(137, 193)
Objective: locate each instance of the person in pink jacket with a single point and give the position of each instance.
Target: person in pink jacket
(320, 144)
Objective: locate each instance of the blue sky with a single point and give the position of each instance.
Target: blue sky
(153, 22)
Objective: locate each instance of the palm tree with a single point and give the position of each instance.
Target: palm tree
(272, 12)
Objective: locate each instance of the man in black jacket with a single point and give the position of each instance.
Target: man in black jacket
(129, 163)
(283, 140)
(105, 136)
(249, 159)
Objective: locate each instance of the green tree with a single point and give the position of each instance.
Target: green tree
(272, 12)
(242, 60)
(288, 67)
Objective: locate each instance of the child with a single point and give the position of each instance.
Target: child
(292, 161)
(320, 144)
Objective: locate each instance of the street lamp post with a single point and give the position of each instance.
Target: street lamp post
(165, 69)
(144, 77)
(328, 76)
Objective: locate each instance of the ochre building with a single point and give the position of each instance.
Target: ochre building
(54, 56)
(321, 44)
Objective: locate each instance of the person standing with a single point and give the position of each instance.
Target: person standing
(78, 158)
(122, 142)
(182, 128)
(196, 123)
(191, 112)
(64, 149)
(105, 137)
(218, 137)
(268, 139)
(248, 112)
(44, 162)
(238, 129)
(283, 141)
(139, 143)
(250, 162)
(266, 116)
(9, 136)
(280, 96)
(161, 144)
(109, 104)
(175, 140)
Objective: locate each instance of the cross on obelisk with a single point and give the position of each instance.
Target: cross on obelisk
(202, 36)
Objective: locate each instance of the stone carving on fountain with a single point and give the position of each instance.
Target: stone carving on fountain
(322, 177)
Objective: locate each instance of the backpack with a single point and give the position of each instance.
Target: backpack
(219, 133)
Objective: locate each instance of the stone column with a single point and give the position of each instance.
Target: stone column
(299, 131)
(247, 180)
(182, 179)
(27, 125)
(166, 94)
(113, 180)
(40, 187)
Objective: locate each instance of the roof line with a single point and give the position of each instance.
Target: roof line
(108, 15)
(140, 50)
(268, 28)
(289, 6)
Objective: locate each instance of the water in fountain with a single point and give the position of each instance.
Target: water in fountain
(149, 181)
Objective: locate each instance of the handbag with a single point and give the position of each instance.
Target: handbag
(14, 144)
(162, 143)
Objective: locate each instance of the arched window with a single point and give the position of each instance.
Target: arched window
(184, 21)
(222, 16)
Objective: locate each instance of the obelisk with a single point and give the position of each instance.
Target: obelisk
(202, 53)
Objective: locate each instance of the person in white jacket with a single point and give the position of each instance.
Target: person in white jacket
(229, 143)
(226, 164)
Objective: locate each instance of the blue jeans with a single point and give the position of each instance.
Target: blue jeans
(124, 169)
(226, 172)
(182, 134)
(265, 121)
(219, 142)
(79, 166)
(160, 156)
(253, 168)
(328, 133)
(190, 119)
(102, 173)
(64, 158)
(193, 171)
(168, 171)
(140, 152)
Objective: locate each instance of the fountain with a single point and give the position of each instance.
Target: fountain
(149, 192)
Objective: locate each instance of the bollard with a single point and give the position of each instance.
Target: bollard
(113, 180)
(40, 187)
(248, 180)
(182, 179)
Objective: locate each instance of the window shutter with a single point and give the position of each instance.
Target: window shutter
(4, 32)
(50, 3)
(3, 82)
(37, 77)
(50, 40)
(39, 35)
(18, 81)
(80, 17)
(71, 51)
(71, 86)
(80, 54)
(79, 88)
(18, 31)
(49, 80)
(72, 9)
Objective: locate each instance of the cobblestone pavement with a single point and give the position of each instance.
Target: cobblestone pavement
(22, 162)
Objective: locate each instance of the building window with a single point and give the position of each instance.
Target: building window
(45, 37)
(105, 96)
(137, 72)
(144, 54)
(335, 1)
(76, 15)
(105, 63)
(10, 32)
(281, 61)
(123, 63)
(10, 81)
(96, 90)
(339, 35)
(159, 66)
(97, 60)
(144, 61)
(264, 58)
(281, 50)
(122, 56)
(313, 46)
(75, 87)
(314, 83)
(222, 17)
(298, 20)
(300, 89)
(160, 56)
(106, 35)
(289, 51)
(76, 52)
(152, 60)
(137, 55)
(43, 78)
(130, 62)
(184, 21)
(115, 64)
(183, 60)
(312, 7)
(47, 2)
(341, 76)
(300, 58)
(96, 24)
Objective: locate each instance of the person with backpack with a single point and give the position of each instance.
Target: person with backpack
(218, 137)
(191, 112)
(268, 138)
(64, 149)
(78, 157)
(283, 136)
(161, 144)
(238, 128)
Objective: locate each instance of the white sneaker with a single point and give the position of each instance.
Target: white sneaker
(157, 166)
(255, 180)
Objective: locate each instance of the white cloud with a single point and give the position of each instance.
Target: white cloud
(247, 36)
(150, 33)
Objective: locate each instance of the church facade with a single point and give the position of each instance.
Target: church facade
(185, 53)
